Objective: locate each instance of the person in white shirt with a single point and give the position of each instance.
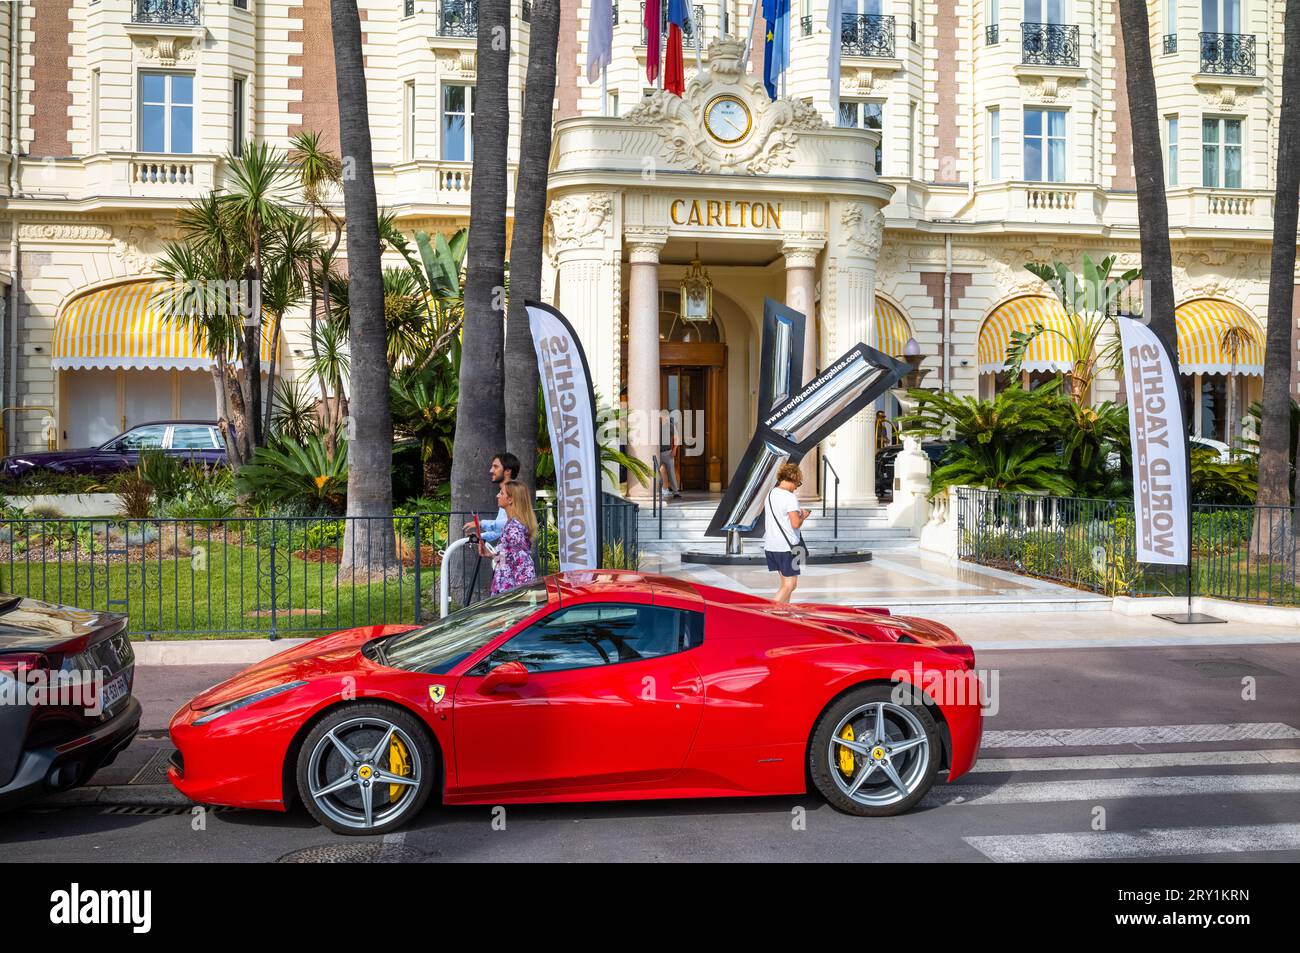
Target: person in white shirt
(782, 541)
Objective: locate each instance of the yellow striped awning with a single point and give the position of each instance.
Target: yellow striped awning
(892, 329)
(125, 326)
(1047, 352)
(1210, 331)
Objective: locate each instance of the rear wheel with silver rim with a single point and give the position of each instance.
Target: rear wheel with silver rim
(874, 754)
(366, 769)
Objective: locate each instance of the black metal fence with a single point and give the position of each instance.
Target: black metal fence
(1239, 553)
(1231, 54)
(269, 576)
(1049, 44)
(866, 34)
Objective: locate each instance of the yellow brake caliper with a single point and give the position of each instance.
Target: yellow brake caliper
(846, 756)
(399, 763)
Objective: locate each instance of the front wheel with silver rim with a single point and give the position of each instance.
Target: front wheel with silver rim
(366, 769)
(873, 753)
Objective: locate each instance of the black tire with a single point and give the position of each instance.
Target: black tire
(904, 718)
(359, 726)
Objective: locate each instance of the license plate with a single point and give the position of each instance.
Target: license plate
(115, 689)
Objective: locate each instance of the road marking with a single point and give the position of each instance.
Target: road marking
(1179, 759)
(1149, 842)
(1106, 789)
(1138, 734)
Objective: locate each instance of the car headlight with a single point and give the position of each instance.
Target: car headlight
(214, 713)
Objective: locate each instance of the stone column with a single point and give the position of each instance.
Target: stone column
(801, 294)
(643, 352)
(851, 290)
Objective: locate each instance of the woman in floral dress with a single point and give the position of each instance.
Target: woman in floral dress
(512, 564)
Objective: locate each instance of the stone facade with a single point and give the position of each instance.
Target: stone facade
(944, 211)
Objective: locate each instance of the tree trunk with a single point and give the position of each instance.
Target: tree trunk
(368, 542)
(480, 413)
(1148, 169)
(1271, 537)
(526, 239)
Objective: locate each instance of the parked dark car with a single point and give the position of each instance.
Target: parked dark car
(196, 440)
(885, 457)
(66, 708)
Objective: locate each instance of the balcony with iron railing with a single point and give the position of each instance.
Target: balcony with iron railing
(167, 12)
(991, 35)
(1170, 43)
(688, 34)
(867, 34)
(1228, 54)
(458, 18)
(1049, 44)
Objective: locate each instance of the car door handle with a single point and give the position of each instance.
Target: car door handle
(687, 688)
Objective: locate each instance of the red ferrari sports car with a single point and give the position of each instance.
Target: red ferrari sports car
(603, 685)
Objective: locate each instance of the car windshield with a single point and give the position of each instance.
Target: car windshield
(437, 647)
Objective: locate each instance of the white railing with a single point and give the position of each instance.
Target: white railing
(1053, 200)
(163, 173)
(1230, 203)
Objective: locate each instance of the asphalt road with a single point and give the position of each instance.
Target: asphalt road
(1200, 773)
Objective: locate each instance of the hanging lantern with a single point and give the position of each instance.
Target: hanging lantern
(697, 292)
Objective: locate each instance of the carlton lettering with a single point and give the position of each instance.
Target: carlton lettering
(716, 213)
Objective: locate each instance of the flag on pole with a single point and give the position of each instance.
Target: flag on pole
(600, 38)
(651, 23)
(1158, 437)
(776, 43)
(674, 69)
(835, 21)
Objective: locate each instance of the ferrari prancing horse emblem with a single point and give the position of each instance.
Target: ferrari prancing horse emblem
(436, 692)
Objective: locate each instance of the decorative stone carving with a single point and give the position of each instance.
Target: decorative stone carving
(63, 232)
(864, 234)
(680, 120)
(128, 247)
(1049, 89)
(574, 221)
(166, 49)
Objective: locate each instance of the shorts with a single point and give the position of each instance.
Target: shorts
(781, 562)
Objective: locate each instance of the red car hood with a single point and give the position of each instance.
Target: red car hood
(879, 626)
(339, 653)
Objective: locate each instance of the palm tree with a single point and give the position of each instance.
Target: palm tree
(526, 238)
(319, 172)
(480, 418)
(1279, 351)
(256, 204)
(1234, 339)
(1089, 304)
(1148, 167)
(369, 540)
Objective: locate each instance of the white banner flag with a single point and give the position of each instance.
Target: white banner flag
(1161, 504)
(600, 38)
(571, 421)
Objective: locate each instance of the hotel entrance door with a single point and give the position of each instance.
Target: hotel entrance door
(693, 386)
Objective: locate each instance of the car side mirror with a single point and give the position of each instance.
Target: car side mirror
(505, 675)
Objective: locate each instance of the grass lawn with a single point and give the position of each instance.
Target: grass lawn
(217, 589)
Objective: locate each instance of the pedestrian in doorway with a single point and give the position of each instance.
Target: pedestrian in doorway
(669, 445)
(782, 539)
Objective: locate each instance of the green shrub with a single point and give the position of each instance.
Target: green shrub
(285, 471)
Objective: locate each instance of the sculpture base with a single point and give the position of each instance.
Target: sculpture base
(827, 557)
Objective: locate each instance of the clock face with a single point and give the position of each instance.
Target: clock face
(727, 119)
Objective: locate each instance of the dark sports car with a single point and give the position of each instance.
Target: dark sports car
(590, 686)
(196, 440)
(66, 708)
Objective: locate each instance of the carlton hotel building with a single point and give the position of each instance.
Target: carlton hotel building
(966, 138)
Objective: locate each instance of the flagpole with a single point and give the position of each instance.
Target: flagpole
(749, 37)
(698, 29)
(604, 91)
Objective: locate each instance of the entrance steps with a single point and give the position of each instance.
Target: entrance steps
(860, 526)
